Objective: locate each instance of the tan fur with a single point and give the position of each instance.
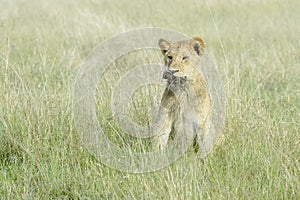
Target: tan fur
(185, 109)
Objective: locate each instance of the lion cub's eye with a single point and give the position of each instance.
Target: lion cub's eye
(184, 58)
(170, 57)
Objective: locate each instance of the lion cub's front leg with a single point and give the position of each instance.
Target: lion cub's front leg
(162, 128)
(164, 122)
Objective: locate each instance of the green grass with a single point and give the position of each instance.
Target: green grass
(255, 45)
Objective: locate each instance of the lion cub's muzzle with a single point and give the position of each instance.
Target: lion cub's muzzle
(172, 79)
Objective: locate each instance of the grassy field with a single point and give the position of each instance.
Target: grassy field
(256, 46)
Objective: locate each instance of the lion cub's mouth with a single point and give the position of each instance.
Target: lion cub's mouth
(174, 78)
(179, 74)
(171, 75)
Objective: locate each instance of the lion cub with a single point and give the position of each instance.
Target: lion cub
(185, 110)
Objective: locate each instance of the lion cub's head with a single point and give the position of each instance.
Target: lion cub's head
(182, 57)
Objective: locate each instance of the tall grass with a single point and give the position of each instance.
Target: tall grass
(255, 45)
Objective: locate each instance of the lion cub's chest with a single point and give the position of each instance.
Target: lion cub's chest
(181, 102)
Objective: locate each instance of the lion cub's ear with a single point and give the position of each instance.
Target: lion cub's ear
(164, 45)
(198, 45)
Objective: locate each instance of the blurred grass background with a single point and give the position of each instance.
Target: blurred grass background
(255, 45)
